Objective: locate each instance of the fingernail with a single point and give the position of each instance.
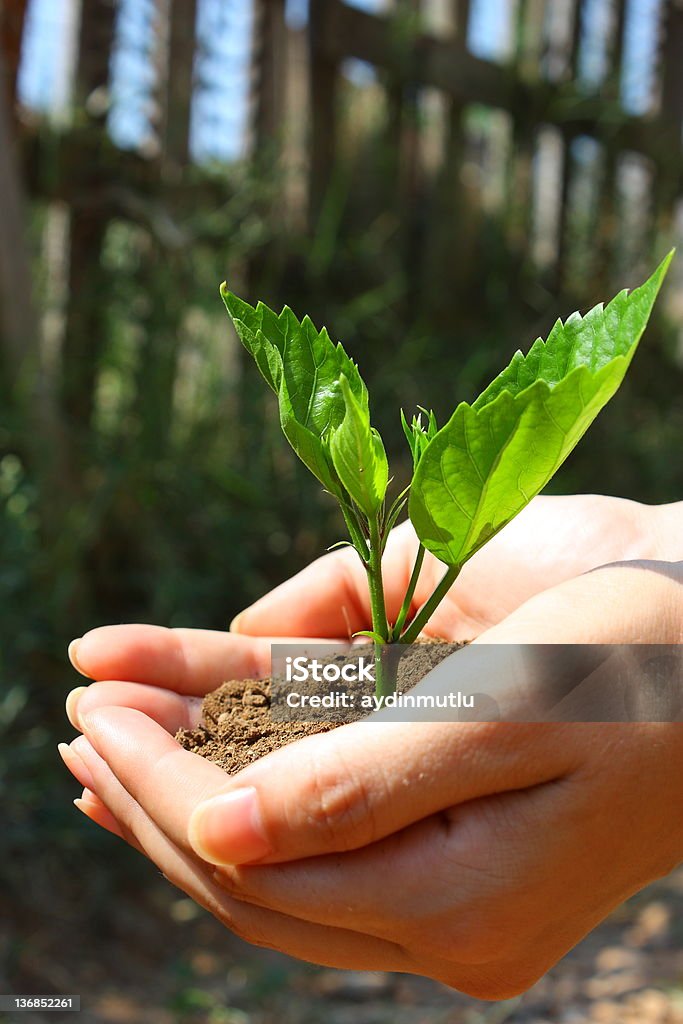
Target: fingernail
(81, 805)
(73, 656)
(72, 705)
(76, 765)
(234, 626)
(228, 829)
(85, 806)
(90, 806)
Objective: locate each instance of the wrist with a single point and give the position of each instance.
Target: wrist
(664, 524)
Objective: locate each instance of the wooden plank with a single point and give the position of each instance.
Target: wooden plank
(406, 101)
(669, 184)
(177, 112)
(12, 19)
(19, 333)
(454, 144)
(445, 64)
(95, 35)
(324, 60)
(568, 135)
(432, 61)
(268, 75)
(85, 322)
(520, 170)
(672, 79)
(607, 221)
(22, 377)
(529, 37)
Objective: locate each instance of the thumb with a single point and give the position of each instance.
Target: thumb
(330, 598)
(326, 599)
(350, 787)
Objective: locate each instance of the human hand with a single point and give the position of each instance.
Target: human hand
(473, 853)
(535, 824)
(165, 673)
(552, 540)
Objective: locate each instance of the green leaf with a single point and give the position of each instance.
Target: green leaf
(260, 332)
(358, 455)
(304, 368)
(495, 455)
(417, 435)
(397, 506)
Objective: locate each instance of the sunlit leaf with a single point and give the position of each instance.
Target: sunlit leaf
(358, 455)
(494, 456)
(304, 368)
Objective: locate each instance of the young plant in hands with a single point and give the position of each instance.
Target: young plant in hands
(471, 476)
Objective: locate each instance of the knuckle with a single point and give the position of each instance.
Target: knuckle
(337, 804)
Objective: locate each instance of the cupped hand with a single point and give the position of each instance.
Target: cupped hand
(472, 853)
(554, 539)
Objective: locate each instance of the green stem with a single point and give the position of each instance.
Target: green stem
(429, 607)
(376, 585)
(405, 607)
(380, 626)
(356, 534)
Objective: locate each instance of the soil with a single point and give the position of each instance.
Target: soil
(238, 726)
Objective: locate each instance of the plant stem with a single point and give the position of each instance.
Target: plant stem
(380, 626)
(405, 607)
(355, 534)
(429, 607)
(376, 585)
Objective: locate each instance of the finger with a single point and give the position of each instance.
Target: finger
(188, 661)
(327, 598)
(91, 805)
(353, 786)
(70, 756)
(163, 778)
(342, 890)
(482, 845)
(330, 792)
(334, 947)
(171, 710)
(330, 598)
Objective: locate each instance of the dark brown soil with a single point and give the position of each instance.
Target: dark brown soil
(238, 726)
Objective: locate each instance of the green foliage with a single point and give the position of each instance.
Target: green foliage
(476, 473)
(417, 434)
(494, 456)
(304, 369)
(180, 507)
(358, 455)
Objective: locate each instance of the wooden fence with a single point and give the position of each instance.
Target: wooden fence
(553, 118)
(479, 167)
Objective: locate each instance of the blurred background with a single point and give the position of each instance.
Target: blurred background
(434, 180)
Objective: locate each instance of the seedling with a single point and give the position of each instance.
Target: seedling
(471, 476)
